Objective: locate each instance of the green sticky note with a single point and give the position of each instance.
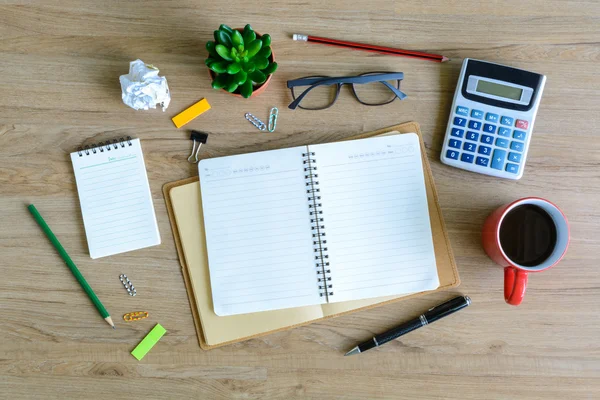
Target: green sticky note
(149, 341)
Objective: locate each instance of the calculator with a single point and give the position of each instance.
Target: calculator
(492, 118)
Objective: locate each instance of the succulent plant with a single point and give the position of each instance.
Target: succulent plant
(239, 59)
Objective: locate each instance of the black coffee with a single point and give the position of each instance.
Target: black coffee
(528, 235)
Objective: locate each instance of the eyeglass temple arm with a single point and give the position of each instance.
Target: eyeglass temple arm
(400, 94)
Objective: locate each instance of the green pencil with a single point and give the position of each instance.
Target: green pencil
(63, 253)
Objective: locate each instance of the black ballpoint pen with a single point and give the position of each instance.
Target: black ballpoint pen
(433, 314)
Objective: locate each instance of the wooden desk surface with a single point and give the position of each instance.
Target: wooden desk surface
(60, 63)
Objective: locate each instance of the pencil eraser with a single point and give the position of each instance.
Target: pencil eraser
(190, 113)
(148, 342)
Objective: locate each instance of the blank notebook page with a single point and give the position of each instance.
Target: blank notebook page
(258, 232)
(376, 217)
(115, 199)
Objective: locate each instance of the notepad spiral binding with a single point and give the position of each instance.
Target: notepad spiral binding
(104, 146)
(317, 225)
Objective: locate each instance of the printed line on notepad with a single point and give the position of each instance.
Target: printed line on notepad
(109, 162)
(122, 243)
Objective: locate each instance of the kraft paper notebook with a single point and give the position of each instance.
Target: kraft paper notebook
(184, 207)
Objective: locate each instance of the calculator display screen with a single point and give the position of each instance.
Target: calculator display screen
(497, 89)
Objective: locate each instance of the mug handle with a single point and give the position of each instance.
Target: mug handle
(515, 283)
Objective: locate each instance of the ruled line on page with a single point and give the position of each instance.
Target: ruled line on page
(109, 162)
(267, 299)
(380, 286)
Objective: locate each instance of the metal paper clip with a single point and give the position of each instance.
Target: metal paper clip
(135, 316)
(198, 138)
(254, 120)
(273, 119)
(128, 285)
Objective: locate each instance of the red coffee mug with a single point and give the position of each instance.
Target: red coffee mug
(515, 275)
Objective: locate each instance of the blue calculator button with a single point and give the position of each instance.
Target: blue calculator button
(507, 121)
(455, 144)
(457, 132)
(484, 150)
(460, 121)
(489, 128)
(514, 168)
(502, 143)
(468, 158)
(469, 146)
(482, 161)
(520, 135)
(516, 146)
(474, 125)
(491, 117)
(504, 132)
(452, 154)
(460, 110)
(472, 135)
(498, 159)
(477, 114)
(514, 157)
(487, 139)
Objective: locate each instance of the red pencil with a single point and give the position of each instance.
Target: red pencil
(369, 47)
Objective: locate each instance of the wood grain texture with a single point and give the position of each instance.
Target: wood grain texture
(59, 68)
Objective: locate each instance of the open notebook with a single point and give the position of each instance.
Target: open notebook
(115, 198)
(317, 224)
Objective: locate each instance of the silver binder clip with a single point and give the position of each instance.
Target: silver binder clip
(273, 119)
(198, 138)
(254, 120)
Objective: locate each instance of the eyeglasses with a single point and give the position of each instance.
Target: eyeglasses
(370, 89)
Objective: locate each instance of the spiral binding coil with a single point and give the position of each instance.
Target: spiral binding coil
(317, 225)
(104, 146)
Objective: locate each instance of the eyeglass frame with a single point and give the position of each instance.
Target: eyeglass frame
(314, 82)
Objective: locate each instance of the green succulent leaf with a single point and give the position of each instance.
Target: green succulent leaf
(223, 38)
(219, 82)
(234, 53)
(271, 68)
(226, 28)
(231, 87)
(241, 77)
(253, 48)
(246, 89)
(237, 39)
(219, 67)
(257, 76)
(248, 66)
(264, 52)
(209, 61)
(223, 52)
(266, 39)
(249, 35)
(210, 47)
(237, 60)
(260, 62)
(234, 68)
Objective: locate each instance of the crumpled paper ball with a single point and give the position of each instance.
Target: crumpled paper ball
(142, 88)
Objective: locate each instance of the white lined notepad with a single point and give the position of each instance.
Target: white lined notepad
(115, 198)
(317, 224)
